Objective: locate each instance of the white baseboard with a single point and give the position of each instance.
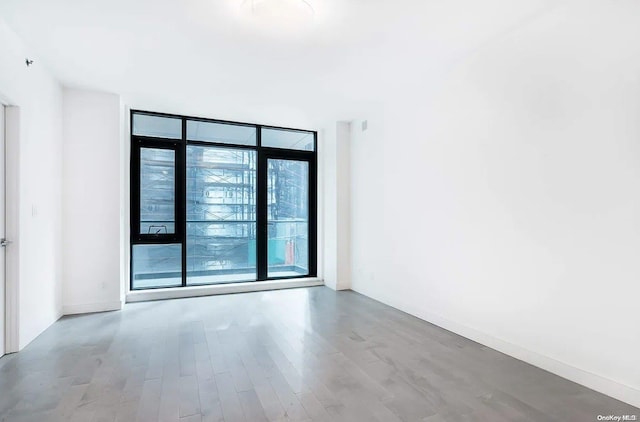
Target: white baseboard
(88, 308)
(588, 379)
(220, 289)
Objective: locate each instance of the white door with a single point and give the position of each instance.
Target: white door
(2, 234)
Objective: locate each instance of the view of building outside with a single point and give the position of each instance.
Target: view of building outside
(157, 265)
(288, 216)
(221, 217)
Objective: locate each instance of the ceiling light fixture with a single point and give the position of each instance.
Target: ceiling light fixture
(284, 11)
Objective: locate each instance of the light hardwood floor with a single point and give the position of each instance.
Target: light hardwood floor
(302, 355)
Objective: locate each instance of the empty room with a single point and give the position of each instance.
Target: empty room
(319, 210)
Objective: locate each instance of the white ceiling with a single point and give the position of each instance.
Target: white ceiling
(199, 57)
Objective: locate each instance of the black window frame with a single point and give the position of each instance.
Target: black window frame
(263, 155)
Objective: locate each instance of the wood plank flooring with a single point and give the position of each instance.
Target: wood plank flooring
(291, 355)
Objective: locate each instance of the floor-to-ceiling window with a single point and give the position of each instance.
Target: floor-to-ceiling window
(217, 202)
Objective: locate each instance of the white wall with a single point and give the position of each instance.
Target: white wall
(335, 210)
(92, 201)
(505, 205)
(39, 97)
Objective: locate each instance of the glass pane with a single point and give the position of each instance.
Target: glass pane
(157, 126)
(156, 266)
(288, 218)
(220, 132)
(288, 139)
(221, 215)
(157, 191)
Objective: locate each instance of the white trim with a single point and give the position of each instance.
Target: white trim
(88, 308)
(125, 188)
(12, 218)
(220, 289)
(615, 389)
(3, 210)
(320, 207)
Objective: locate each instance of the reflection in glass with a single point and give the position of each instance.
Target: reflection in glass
(156, 266)
(289, 139)
(157, 191)
(288, 218)
(221, 133)
(157, 126)
(221, 215)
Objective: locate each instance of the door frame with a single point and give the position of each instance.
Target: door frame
(12, 198)
(264, 155)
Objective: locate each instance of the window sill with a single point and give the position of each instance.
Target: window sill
(220, 289)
